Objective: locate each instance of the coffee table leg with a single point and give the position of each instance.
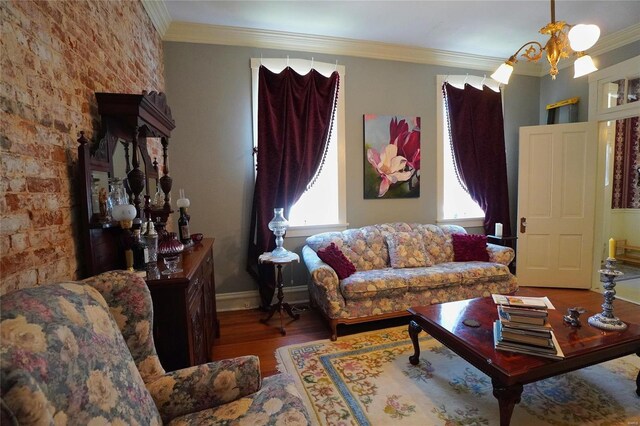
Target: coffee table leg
(414, 330)
(508, 397)
(638, 380)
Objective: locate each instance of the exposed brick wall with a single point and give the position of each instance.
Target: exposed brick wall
(54, 55)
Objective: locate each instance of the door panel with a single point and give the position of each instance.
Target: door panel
(556, 195)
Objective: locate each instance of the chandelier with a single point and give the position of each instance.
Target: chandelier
(564, 40)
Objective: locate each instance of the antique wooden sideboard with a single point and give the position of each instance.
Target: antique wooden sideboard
(184, 309)
(184, 304)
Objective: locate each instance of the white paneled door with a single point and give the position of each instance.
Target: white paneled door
(556, 205)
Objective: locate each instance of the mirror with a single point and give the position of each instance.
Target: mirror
(140, 122)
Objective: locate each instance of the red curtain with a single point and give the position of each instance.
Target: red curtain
(477, 141)
(295, 116)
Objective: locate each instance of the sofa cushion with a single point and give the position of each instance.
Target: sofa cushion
(406, 250)
(332, 256)
(453, 273)
(436, 243)
(482, 272)
(373, 283)
(469, 247)
(365, 247)
(394, 227)
(421, 279)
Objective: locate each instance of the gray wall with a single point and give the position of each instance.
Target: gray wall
(565, 86)
(209, 90)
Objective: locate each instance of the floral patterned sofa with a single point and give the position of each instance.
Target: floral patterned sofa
(83, 353)
(378, 290)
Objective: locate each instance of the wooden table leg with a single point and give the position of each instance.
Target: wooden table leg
(280, 305)
(414, 330)
(638, 380)
(508, 397)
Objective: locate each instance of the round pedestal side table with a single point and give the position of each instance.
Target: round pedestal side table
(280, 305)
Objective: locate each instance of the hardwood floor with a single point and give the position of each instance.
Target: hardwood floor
(242, 333)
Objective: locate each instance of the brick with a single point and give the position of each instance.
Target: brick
(36, 184)
(22, 279)
(12, 223)
(42, 218)
(12, 263)
(19, 242)
(49, 76)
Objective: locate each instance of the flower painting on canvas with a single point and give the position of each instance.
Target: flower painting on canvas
(392, 156)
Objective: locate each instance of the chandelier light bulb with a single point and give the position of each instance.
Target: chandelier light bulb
(503, 73)
(583, 36)
(583, 65)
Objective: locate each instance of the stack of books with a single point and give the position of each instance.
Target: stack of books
(523, 326)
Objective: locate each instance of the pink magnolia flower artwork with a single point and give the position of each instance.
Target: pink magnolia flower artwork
(392, 149)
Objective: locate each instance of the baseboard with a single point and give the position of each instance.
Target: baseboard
(251, 299)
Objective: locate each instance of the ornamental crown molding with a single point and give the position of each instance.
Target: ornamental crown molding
(268, 39)
(159, 14)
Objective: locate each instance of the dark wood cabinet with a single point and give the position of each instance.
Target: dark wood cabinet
(184, 305)
(184, 309)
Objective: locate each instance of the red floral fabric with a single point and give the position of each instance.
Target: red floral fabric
(469, 247)
(332, 256)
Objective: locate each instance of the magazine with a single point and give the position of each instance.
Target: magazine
(523, 301)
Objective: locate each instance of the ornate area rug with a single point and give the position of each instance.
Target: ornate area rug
(366, 379)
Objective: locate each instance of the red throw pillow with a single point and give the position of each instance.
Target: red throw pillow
(332, 256)
(468, 247)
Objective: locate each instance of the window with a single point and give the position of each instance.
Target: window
(323, 206)
(455, 205)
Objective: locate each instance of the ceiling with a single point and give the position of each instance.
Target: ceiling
(492, 29)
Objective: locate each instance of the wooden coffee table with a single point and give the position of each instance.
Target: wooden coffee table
(509, 371)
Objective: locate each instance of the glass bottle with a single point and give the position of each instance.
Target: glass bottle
(183, 226)
(140, 251)
(151, 238)
(183, 221)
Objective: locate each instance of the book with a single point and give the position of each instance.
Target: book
(543, 331)
(553, 352)
(528, 312)
(525, 336)
(522, 301)
(516, 318)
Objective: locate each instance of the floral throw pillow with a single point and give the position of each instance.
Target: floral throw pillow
(332, 256)
(406, 250)
(469, 247)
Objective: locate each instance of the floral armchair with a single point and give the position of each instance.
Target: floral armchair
(83, 353)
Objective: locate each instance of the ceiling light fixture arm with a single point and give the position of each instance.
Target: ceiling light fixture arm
(532, 54)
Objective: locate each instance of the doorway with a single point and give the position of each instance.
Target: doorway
(614, 102)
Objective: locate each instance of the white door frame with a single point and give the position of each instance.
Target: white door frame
(597, 112)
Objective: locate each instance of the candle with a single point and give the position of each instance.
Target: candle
(612, 248)
(498, 231)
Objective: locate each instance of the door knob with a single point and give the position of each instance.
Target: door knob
(523, 225)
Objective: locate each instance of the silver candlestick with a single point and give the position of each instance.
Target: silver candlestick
(606, 320)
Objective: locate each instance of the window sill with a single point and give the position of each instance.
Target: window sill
(466, 222)
(307, 231)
